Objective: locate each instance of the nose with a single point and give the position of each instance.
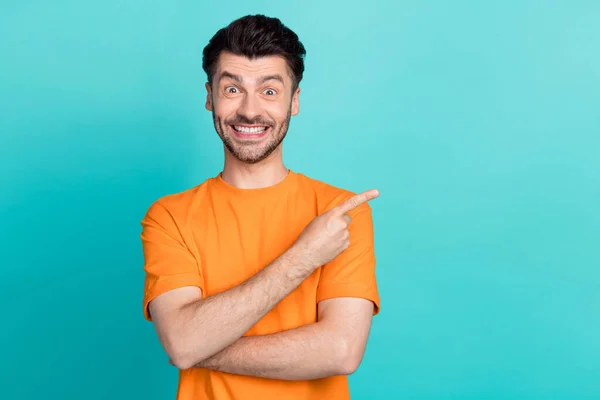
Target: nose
(250, 107)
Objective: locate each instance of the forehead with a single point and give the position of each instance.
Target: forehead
(252, 70)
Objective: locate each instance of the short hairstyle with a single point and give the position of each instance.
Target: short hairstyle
(255, 36)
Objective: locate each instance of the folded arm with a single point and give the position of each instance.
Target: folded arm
(332, 346)
(192, 329)
(197, 330)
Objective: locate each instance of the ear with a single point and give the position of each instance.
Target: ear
(208, 105)
(296, 102)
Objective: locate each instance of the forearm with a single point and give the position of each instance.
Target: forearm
(207, 326)
(309, 352)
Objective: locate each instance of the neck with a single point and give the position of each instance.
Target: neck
(265, 173)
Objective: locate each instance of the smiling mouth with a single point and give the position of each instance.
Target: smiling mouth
(246, 132)
(249, 130)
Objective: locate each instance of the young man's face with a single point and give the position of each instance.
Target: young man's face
(252, 103)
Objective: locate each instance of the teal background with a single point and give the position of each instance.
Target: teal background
(477, 120)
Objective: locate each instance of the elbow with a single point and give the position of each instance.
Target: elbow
(180, 361)
(181, 355)
(349, 366)
(350, 358)
(184, 360)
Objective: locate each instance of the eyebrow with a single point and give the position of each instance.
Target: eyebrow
(237, 78)
(275, 77)
(226, 74)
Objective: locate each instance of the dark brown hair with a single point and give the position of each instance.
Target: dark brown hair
(256, 36)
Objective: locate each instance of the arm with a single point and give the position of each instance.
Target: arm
(333, 346)
(192, 329)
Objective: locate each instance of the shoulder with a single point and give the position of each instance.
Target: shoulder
(174, 205)
(328, 195)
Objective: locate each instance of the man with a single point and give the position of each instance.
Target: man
(260, 281)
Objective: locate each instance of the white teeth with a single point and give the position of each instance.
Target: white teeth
(245, 129)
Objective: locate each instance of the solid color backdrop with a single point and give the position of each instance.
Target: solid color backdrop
(478, 121)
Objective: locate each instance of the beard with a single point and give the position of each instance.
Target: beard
(250, 153)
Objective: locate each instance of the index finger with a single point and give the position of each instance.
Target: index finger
(356, 201)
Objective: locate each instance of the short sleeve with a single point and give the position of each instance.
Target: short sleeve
(352, 272)
(168, 263)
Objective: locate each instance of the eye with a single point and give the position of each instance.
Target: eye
(231, 89)
(270, 92)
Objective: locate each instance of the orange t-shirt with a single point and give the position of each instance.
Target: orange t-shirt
(215, 236)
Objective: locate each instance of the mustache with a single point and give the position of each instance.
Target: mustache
(241, 120)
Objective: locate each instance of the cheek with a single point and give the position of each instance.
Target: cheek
(277, 112)
(224, 107)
